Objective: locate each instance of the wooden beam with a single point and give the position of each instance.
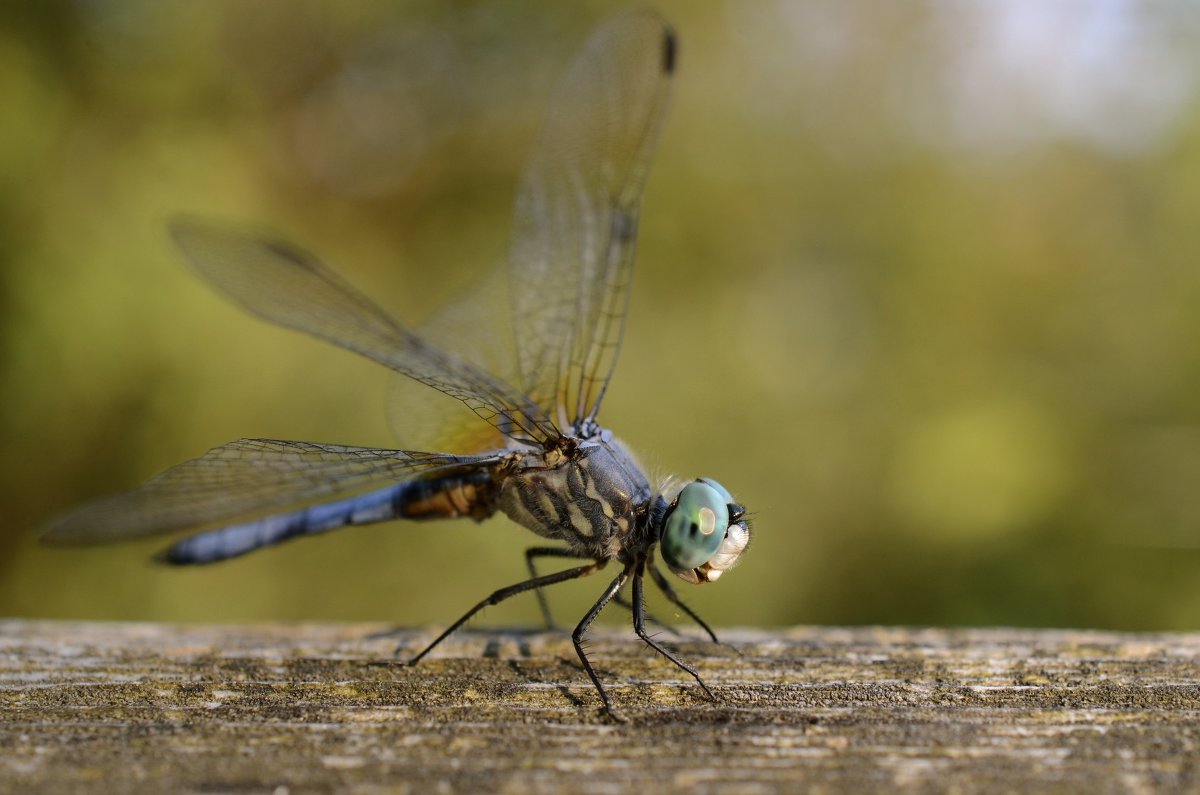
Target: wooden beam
(162, 708)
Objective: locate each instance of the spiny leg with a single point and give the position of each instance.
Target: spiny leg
(564, 552)
(618, 599)
(669, 592)
(548, 552)
(577, 636)
(628, 605)
(639, 626)
(504, 593)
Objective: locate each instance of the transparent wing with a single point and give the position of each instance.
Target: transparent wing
(477, 324)
(435, 422)
(577, 213)
(290, 287)
(246, 479)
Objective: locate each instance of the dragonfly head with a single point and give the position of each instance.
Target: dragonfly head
(704, 532)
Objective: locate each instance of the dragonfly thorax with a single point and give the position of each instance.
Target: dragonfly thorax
(588, 428)
(594, 498)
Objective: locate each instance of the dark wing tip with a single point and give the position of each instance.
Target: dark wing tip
(670, 51)
(196, 239)
(182, 228)
(70, 529)
(189, 236)
(49, 538)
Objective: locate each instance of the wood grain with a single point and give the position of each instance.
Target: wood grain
(308, 708)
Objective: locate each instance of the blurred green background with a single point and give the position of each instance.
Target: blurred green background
(918, 282)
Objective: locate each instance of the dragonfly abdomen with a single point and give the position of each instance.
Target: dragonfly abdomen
(448, 497)
(472, 494)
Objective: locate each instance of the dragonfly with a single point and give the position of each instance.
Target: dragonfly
(539, 456)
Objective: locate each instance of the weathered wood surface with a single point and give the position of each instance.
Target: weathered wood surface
(159, 708)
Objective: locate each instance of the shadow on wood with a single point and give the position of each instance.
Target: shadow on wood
(115, 707)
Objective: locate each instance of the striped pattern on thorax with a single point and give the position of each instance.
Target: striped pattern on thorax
(590, 500)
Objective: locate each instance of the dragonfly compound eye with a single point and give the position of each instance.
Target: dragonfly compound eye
(695, 527)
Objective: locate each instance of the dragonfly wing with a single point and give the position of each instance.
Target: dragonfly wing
(247, 479)
(477, 324)
(290, 287)
(577, 213)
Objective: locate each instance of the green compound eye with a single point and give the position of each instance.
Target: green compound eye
(696, 526)
(724, 492)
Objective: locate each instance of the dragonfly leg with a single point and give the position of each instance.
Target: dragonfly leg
(548, 552)
(504, 593)
(669, 592)
(639, 626)
(577, 637)
(628, 605)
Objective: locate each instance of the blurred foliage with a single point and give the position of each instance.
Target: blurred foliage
(918, 282)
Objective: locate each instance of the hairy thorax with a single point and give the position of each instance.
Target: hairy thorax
(591, 497)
